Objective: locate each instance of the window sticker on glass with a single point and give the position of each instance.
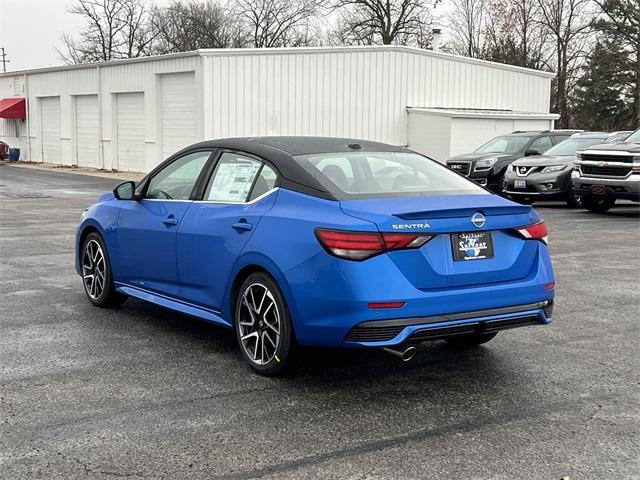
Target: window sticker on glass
(232, 179)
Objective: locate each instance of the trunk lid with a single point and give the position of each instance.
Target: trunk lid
(433, 266)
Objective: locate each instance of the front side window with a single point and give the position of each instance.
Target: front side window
(176, 180)
(386, 174)
(541, 144)
(506, 144)
(232, 178)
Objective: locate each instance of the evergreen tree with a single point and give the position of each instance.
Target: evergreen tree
(620, 21)
(603, 98)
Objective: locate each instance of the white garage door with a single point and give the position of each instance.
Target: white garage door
(130, 131)
(87, 142)
(50, 119)
(178, 111)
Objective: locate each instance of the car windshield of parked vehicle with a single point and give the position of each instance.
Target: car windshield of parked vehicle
(570, 146)
(385, 174)
(507, 144)
(634, 137)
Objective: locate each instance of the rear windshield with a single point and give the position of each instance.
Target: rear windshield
(569, 147)
(506, 144)
(384, 174)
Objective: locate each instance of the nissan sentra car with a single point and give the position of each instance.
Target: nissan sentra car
(297, 241)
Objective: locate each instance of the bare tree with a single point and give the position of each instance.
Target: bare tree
(514, 34)
(189, 25)
(383, 21)
(468, 23)
(569, 22)
(278, 23)
(114, 29)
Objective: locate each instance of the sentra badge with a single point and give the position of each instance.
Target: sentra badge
(410, 226)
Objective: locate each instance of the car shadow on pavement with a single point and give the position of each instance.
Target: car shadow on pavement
(434, 362)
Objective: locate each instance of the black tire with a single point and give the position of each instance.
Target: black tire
(107, 296)
(256, 325)
(573, 200)
(598, 204)
(469, 341)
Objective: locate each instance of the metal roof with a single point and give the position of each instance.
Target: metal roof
(284, 51)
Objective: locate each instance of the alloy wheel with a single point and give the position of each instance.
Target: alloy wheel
(94, 269)
(259, 324)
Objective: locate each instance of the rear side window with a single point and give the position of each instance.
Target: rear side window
(265, 181)
(386, 174)
(238, 178)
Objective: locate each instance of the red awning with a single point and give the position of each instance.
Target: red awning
(13, 107)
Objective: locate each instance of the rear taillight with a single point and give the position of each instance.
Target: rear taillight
(536, 231)
(363, 245)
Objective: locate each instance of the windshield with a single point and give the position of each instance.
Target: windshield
(385, 174)
(634, 137)
(569, 147)
(506, 144)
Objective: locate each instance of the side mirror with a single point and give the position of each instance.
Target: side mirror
(125, 191)
(529, 153)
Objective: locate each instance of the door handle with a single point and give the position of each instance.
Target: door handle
(170, 221)
(242, 226)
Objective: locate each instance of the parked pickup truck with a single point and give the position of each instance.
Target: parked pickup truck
(607, 172)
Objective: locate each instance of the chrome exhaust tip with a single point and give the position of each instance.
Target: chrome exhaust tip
(405, 354)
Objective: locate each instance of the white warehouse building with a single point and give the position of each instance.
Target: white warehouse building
(131, 114)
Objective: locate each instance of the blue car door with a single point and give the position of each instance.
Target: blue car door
(215, 229)
(146, 242)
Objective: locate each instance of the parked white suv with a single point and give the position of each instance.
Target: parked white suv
(607, 172)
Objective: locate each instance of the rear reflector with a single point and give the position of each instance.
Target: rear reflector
(375, 305)
(536, 231)
(550, 286)
(362, 245)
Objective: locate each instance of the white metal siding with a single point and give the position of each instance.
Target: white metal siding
(178, 111)
(87, 131)
(50, 127)
(358, 92)
(344, 91)
(130, 131)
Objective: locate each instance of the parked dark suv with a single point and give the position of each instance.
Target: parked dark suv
(487, 165)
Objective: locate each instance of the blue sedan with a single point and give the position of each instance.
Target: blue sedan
(296, 241)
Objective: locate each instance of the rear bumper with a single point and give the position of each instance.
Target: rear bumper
(403, 330)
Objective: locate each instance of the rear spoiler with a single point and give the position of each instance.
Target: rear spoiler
(465, 212)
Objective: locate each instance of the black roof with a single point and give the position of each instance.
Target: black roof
(280, 151)
(301, 145)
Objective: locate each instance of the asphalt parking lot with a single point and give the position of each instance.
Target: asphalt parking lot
(141, 392)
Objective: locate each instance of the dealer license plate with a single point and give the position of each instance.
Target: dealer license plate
(472, 246)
